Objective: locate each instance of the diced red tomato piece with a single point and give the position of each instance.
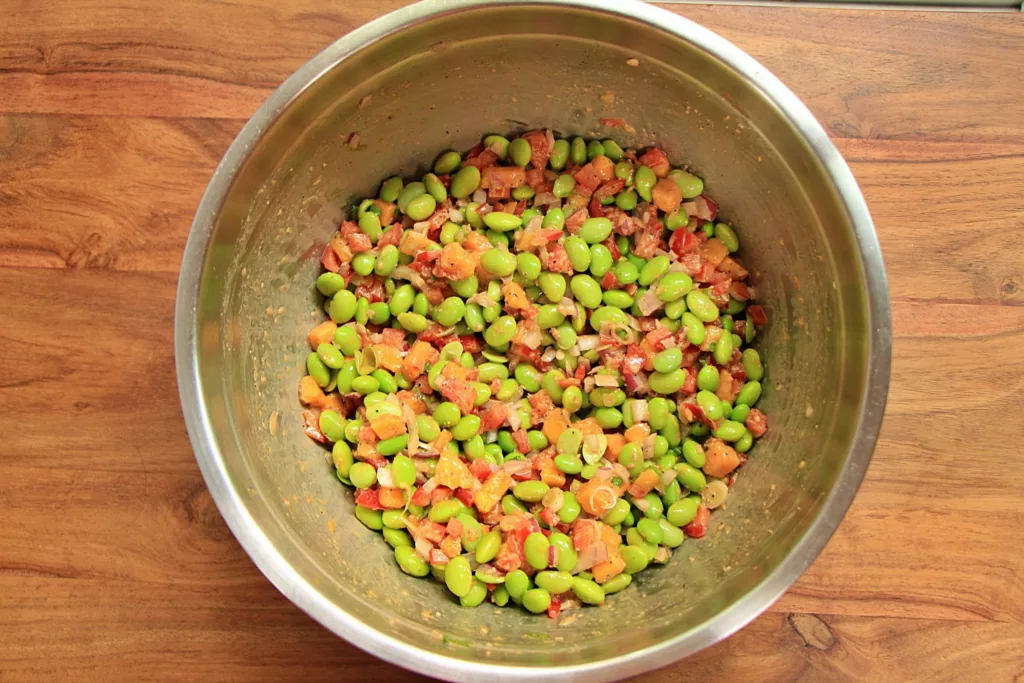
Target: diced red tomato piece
(555, 608)
(757, 422)
(540, 149)
(493, 416)
(369, 498)
(699, 526)
(420, 497)
(465, 496)
(757, 315)
(656, 160)
(588, 177)
(558, 260)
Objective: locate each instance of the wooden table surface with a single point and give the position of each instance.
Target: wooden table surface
(114, 562)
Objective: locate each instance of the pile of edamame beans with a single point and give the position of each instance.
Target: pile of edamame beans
(535, 368)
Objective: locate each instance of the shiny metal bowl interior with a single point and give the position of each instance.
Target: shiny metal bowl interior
(384, 100)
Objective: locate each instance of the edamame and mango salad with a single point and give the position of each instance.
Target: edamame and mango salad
(534, 371)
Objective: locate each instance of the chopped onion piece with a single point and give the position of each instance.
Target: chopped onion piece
(588, 342)
(641, 411)
(594, 446)
(606, 380)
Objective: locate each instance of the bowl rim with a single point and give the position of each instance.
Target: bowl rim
(304, 594)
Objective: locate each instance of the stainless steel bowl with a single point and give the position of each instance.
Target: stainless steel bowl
(385, 99)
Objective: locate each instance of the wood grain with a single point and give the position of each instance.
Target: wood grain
(114, 562)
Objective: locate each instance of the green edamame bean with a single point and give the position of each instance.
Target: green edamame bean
(673, 286)
(369, 223)
(507, 389)
(530, 491)
(396, 538)
(502, 221)
(387, 260)
(594, 149)
(420, 305)
(528, 377)
(728, 236)
(749, 394)
(519, 151)
(528, 265)
(626, 200)
(738, 414)
(401, 300)
(498, 261)
(644, 182)
(651, 531)
(444, 510)
(553, 286)
(465, 182)
(497, 144)
(635, 558)
(730, 430)
(363, 475)
(668, 360)
(554, 219)
(711, 405)
(612, 150)
(570, 464)
(447, 163)
(578, 151)
(624, 172)
(694, 453)
(435, 188)
(362, 315)
(653, 269)
(690, 185)
(447, 414)
(617, 583)
(536, 600)
(467, 287)
(572, 399)
(586, 290)
(363, 263)
(330, 284)
(701, 305)
(393, 445)
(667, 382)
(723, 349)
(474, 317)
(390, 189)
(690, 477)
(420, 208)
(409, 193)
(549, 316)
(317, 369)
(563, 186)
(332, 425)
(608, 418)
(517, 583)
(677, 219)
(684, 511)
(488, 546)
(413, 322)
(554, 581)
(476, 595)
(411, 563)
(672, 431)
(752, 363)
(595, 230)
(331, 356)
(570, 509)
(626, 272)
(707, 378)
(695, 331)
(744, 443)
(378, 313)
(500, 331)
(674, 309)
(600, 260)
(341, 454)
(672, 536)
(466, 428)
(450, 311)
(458, 575)
(559, 155)
(578, 252)
(535, 548)
(659, 411)
(618, 513)
(617, 298)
